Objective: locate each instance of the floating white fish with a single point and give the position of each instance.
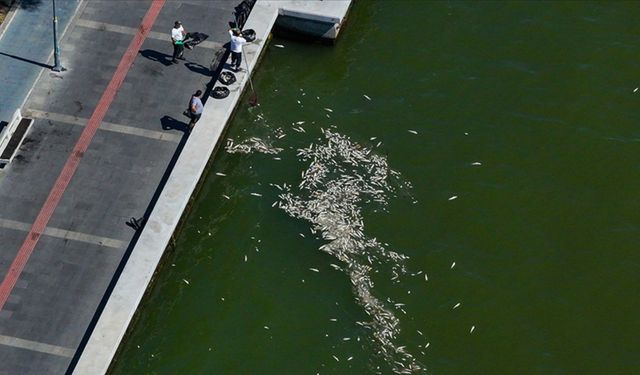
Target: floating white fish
(465, 133)
(226, 196)
(346, 338)
(636, 89)
(299, 102)
(373, 138)
(277, 158)
(256, 194)
(336, 358)
(473, 328)
(333, 319)
(186, 281)
(412, 131)
(314, 269)
(427, 345)
(350, 358)
(476, 163)
(328, 109)
(453, 197)
(278, 45)
(453, 265)
(266, 327)
(419, 332)
(299, 122)
(366, 97)
(245, 258)
(456, 306)
(426, 278)
(220, 174)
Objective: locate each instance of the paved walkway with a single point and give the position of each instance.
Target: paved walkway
(72, 256)
(25, 49)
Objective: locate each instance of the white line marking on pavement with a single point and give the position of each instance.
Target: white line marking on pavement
(36, 346)
(65, 234)
(132, 31)
(108, 126)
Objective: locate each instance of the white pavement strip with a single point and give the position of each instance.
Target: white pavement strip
(108, 126)
(65, 234)
(133, 31)
(36, 346)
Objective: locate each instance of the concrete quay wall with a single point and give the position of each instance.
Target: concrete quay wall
(124, 300)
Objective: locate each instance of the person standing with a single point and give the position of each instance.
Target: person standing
(195, 108)
(177, 39)
(236, 48)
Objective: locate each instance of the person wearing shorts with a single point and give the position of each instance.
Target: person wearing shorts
(195, 109)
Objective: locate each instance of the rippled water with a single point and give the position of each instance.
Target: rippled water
(516, 126)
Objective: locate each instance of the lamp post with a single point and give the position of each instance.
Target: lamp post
(56, 51)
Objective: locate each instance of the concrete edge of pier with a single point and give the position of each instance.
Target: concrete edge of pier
(122, 303)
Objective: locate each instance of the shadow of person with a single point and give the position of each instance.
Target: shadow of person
(160, 57)
(197, 68)
(170, 123)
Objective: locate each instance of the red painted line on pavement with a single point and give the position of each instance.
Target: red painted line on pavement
(69, 169)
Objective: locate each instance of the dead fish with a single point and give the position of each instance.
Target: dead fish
(453, 197)
(226, 196)
(256, 194)
(328, 109)
(278, 45)
(412, 131)
(245, 258)
(636, 89)
(473, 328)
(336, 358)
(476, 163)
(366, 97)
(220, 174)
(314, 269)
(453, 265)
(456, 306)
(186, 281)
(266, 327)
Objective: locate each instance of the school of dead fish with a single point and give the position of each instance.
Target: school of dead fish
(341, 176)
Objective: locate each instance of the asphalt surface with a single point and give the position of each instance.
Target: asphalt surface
(56, 297)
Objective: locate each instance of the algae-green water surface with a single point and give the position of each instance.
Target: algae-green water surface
(544, 232)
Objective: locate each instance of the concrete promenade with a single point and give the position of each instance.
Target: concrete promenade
(56, 271)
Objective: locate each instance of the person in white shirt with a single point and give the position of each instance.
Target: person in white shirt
(177, 39)
(236, 48)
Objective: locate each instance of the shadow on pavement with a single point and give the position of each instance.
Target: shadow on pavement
(160, 57)
(197, 68)
(26, 60)
(169, 123)
(30, 4)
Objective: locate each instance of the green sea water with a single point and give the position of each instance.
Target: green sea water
(544, 232)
